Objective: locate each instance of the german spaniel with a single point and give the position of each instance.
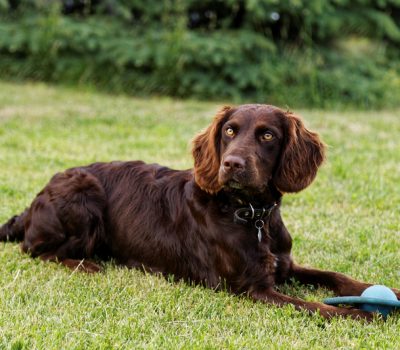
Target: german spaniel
(217, 224)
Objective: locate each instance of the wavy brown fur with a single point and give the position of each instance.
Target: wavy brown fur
(302, 156)
(206, 153)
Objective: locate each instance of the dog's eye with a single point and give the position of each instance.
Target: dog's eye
(230, 132)
(267, 136)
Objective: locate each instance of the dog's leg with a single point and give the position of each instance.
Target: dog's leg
(65, 221)
(82, 265)
(327, 311)
(341, 284)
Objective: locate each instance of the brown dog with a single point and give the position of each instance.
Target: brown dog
(217, 222)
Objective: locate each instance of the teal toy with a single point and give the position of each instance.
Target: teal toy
(376, 298)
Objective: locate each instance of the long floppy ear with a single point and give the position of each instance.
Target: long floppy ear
(301, 156)
(206, 153)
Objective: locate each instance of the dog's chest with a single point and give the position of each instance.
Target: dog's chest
(241, 253)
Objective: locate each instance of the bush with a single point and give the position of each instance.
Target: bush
(261, 50)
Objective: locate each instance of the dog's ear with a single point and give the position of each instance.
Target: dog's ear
(302, 154)
(206, 153)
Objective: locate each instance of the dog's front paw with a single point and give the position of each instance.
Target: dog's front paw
(397, 292)
(357, 314)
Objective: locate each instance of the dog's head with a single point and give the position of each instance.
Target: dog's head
(248, 146)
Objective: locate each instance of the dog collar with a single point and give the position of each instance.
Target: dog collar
(253, 215)
(246, 214)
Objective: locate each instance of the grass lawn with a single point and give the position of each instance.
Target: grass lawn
(347, 221)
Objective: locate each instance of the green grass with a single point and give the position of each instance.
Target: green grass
(347, 221)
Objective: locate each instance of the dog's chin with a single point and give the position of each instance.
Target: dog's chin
(234, 185)
(240, 187)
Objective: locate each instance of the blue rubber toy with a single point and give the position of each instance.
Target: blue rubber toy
(376, 298)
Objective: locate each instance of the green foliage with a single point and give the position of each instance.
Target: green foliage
(293, 52)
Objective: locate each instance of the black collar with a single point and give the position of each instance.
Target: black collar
(251, 214)
(254, 216)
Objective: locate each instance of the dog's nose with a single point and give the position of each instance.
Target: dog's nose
(233, 163)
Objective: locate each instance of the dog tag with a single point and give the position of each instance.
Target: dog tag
(259, 224)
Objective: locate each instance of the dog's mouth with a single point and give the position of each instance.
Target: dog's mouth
(244, 182)
(235, 185)
(243, 189)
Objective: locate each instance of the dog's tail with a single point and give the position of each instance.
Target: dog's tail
(13, 230)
